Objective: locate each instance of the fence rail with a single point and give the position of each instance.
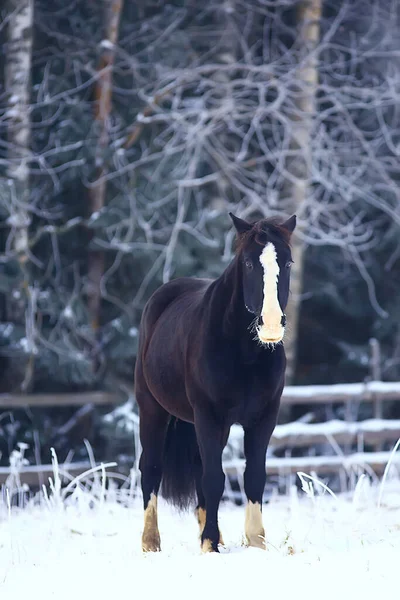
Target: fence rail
(376, 461)
(370, 391)
(372, 432)
(52, 400)
(34, 475)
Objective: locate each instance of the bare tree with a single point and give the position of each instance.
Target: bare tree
(103, 105)
(259, 107)
(282, 123)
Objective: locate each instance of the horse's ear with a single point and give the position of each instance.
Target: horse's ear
(241, 226)
(290, 224)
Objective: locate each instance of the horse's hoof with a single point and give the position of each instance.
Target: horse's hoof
(207, 546)
(151, 548)
(201, 519)
(151, 544)
(220, 541)
(256, 541)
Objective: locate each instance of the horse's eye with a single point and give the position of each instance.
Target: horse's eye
(249, 264)
(289, 264)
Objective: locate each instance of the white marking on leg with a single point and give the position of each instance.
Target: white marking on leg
(206, 547)
(253, 527)
(201, 519)
(151, 535)
(271, 330)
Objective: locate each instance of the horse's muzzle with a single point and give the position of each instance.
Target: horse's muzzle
(271, 332)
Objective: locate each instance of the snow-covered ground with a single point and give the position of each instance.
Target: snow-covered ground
(88, 546)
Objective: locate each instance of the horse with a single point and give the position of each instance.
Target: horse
(210, 355)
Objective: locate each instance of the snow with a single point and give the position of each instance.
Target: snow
(14, 99)
(12, 113)
(106, 45)
(26, 345)
(68, 313)
(336, 427)
(124, 247)
(94, 216)
(311, 434)
(343, 389)
(88, 545)
(333, 427)
(357, 459)
(126, 418)
(18, 220)
(6, 329)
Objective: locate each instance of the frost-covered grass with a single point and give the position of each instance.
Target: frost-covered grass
(86, 544)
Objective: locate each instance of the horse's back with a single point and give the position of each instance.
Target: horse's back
(167, 294)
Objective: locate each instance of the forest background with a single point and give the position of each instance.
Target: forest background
(129, 130)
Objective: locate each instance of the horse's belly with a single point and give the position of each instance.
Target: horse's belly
(173, 400)
(163, 369)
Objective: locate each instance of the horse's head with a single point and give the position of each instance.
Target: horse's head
(265, 258)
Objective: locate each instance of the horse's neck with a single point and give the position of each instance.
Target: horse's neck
(232, 292)
(228, 315)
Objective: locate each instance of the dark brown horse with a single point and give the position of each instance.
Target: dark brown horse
(210, 355)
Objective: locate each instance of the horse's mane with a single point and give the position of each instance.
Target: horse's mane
(261, 232)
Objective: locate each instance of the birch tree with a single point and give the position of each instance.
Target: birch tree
(17, 77)
(299, 165)
(17, 81)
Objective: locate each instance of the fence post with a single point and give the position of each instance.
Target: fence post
(376, 373)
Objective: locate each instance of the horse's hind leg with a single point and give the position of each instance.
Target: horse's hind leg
(153, 426)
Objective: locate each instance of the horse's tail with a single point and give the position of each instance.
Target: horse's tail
(180, 465)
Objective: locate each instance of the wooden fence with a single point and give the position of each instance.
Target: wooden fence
(297, 434)
(46, 400)
(339, 435)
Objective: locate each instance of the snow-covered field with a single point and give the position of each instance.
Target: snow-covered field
(88, 546)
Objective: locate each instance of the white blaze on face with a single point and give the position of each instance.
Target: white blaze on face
(271, 330)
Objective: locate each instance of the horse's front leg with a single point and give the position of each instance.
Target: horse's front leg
(211, 438)
(256, 441)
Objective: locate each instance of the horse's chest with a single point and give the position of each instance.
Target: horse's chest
(244, 391)
(248, 396)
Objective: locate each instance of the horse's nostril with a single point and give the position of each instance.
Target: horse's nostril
(283, 320)
(259, 320)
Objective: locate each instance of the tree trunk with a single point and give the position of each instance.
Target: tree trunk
(17, 76)
(102, 108)
(309, 16)
(17, 79)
